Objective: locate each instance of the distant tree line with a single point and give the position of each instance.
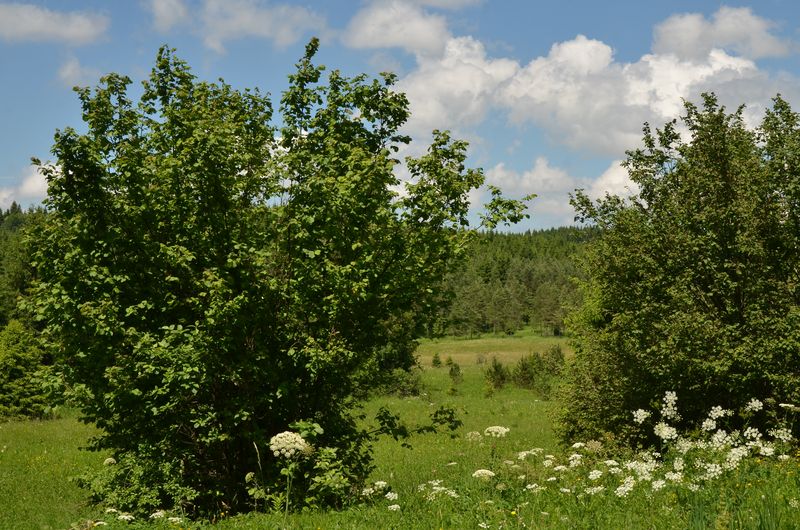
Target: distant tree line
(512, 280)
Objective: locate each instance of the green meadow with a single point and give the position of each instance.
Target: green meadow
(532, 482)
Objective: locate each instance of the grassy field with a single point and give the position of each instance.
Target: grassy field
(433, 481)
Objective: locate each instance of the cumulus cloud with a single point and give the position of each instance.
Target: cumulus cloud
(31, 189)
(397, 24)
(31, 23)
(455, 90)
(167, 13)
(613, 181)
(691, 36)
(283, 24)
(72, 73)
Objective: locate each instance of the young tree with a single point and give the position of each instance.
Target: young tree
(693, 286)
(208, 281)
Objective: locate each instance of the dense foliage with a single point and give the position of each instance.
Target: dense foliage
(208, 281)
(693, 286)
(513, 280)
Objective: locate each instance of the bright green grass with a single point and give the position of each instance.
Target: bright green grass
(40, 456)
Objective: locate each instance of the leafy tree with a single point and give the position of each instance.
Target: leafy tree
(21, 371)
(693, 285)
(208, 281)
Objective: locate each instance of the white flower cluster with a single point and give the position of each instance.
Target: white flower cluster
(434, 489)
(718, 412)
(473, 436)
(626, 487)
(393, 507)
(288, 444)
(522, 455)
(640, 415)
(534, 488)
(754, 405)
(595, 474)
(496, 431)
(670, 409)
(783, 434)
(593, 490)
(665, 432)
(483, 474)
(575, 460)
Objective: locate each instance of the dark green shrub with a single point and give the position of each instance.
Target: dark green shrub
(403, 383)
(455, 374)
(692, 287)
(497, 375)
(22, 375)
(436, 362)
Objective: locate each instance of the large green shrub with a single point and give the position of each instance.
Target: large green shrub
(22, 392)
(693, 286)
(208, 281)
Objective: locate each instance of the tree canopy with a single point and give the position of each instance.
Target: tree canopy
(693, 286)
(208, 280)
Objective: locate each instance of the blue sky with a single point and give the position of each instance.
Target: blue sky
(550, 95)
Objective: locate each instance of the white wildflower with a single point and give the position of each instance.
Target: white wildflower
(366, 492)
(669, 410)
(693, 487)
(788, 406)
(109, 461)
(158, 514)
(565, 490)
(393, 507)
(126, 517)
(675, 476)
(735, 456)
(783, 434)
(677, 464)
(708, 425)
(754, 405)
(722, 439)
(473, 436)
(794, 503)
(509, 462)
(766, 449)
(288, 444)
(578, 445)
(718, 412)
(380, 485)
(665, 432)
(175, 520)
(547, 463)
(483, 473)
(534, 488)
(575, 460)
(391, 496)
(496, 431)
(625, 487)
(611, 463)
(560, 468)
(483, 525)
(112, 510)
(552, 479)
(640, 415)
(595, 474)
(783, 458)
(657, 484)
(752, 433)
(614, 471)
(594, 490)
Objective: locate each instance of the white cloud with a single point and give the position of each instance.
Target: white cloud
(455, 90)
(448, 4)
(691, 36)
(167, 13)
(614, 181)
(397, 24)
(72, 73)
(31, 189)
(233, 19)
(31, 23)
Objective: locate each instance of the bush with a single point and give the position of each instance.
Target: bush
(206, 280)
(436, 362)
(496, 374)
(692, 286)
(22, 374)
(538, 372)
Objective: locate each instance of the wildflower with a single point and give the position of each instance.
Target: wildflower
(614, 471)
(712, 470)
(483, 525)
(709, 425)
(509, 462)
(565, 490)
(594, 446)
(657, 484)
(669, 410)
(158, 514)
(787, 406)
(735, 456)
(575, 460)
(175, 520)
(673, 476)
(534, 487)
(625, 487)
(112, 510)
(718, 412)
(496, 431)
(126, 517)
(783, 434)
(754, 405)
(794, 503)
(721, 439)
(473, 436)
(393, 507)
(693, 487)
(594, 490)
(677, 464)
(752, 433)
(99, 523)
(391, 496)
(640, 415)
(380, 485)
(552, 479)
(560, 468)
(665, 432)
(611, 463)
(109, 461)
(595, 474)
(288, 444)
(366, 492)
(483, 473)
(578, 445)
(783, 458)
(547, 463)
(766, 449)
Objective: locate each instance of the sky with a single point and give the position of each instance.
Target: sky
(549, 95)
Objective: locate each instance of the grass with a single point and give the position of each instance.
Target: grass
(39, 458)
